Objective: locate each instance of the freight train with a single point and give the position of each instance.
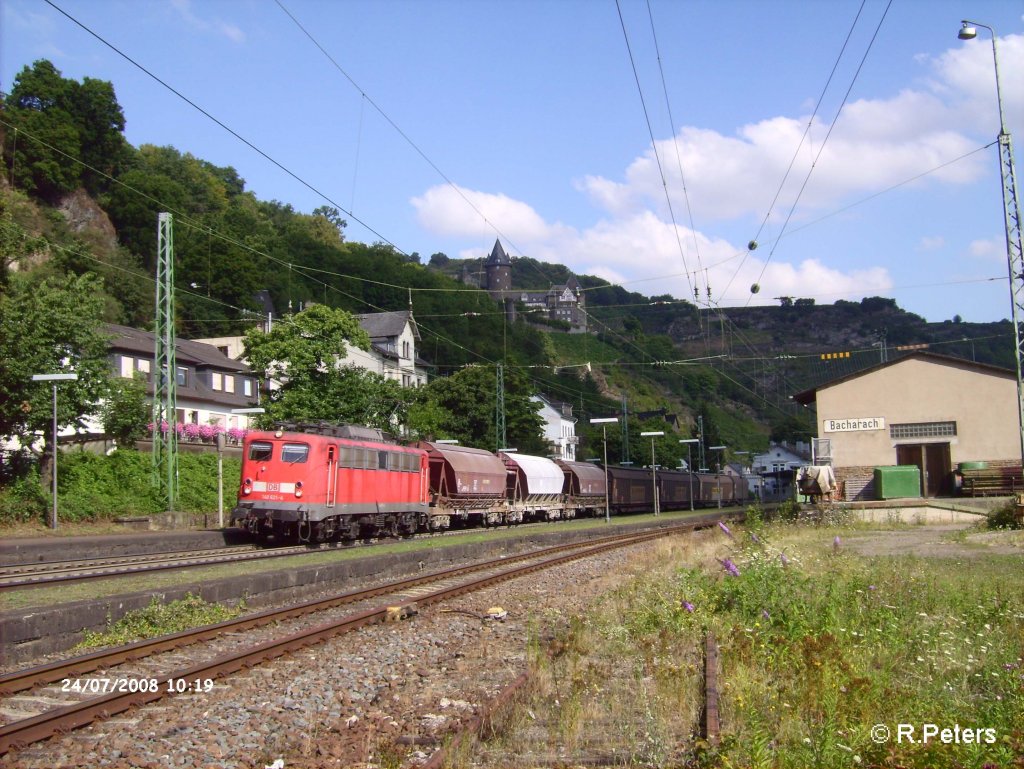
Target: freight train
(320, 482)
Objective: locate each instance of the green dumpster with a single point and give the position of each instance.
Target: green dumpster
(897, 481)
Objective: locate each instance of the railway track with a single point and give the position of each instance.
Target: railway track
(48, 573)
(41, 709)
(54, 572)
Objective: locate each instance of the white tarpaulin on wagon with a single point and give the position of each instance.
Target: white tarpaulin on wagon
(543, 476)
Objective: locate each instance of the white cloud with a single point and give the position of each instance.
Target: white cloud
(448, 210)
(988, 250)
(965, 76)
(875, 144)
(642, 252)
(912, 137)
(230, 31)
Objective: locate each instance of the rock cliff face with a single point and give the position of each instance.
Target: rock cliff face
(85, 217)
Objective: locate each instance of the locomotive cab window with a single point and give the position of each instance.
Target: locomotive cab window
(294, 453)
(259, 451)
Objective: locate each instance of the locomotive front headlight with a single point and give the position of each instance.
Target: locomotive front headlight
(298, 488)
(247, 486)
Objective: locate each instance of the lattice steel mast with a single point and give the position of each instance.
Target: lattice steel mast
(165, 444)
(1011, 219)
(499, 411)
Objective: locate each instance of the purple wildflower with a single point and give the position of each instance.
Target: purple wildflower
(783, 559)
(766, 615)
(729, 566)
(723, 527)
(836, 544)
(755, 538)
(872, 587)
(688, 606)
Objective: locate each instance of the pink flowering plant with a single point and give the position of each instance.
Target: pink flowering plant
(818, 644)
(206, 433)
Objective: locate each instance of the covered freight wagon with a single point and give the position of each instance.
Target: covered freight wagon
(466, 485)
(584, 487)
(630, 489)
(534, 486)
(678, 490)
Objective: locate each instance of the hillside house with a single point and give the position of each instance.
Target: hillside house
(559, 427)
(393, 342)
(209, 384)
(565, 302)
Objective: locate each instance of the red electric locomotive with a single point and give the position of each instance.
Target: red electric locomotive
(320, 482)
(316, 482)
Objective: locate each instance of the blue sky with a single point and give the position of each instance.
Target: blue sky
(441, 125)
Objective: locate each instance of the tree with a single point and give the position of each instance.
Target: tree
(440, 259)
(333, 215)
(50, 327)
(302, 354)
(469, 398)
(125, 411)
(66, 133)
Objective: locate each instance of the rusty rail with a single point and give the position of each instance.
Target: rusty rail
(711, 723)
(19, 734)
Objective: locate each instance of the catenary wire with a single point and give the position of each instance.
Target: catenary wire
(800, 144)
(230, 130)
(824, 142)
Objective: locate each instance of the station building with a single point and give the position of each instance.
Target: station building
(925, 409)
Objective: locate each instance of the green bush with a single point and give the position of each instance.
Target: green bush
(1005, 517)
(23, 499)
(94, 487)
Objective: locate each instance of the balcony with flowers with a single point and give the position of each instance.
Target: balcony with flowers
(189, 432)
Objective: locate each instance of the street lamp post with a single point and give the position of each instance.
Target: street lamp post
(54, 378)
(718, 480)
(1011, 220)
(604, 422)
(689, 467)
(220, 463)
(654, 466)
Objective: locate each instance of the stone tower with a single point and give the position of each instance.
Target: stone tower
(498, 270)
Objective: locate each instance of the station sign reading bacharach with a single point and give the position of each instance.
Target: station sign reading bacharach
(851, 425)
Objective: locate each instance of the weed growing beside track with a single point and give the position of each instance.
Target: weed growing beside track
(159, 619)
(827, 658)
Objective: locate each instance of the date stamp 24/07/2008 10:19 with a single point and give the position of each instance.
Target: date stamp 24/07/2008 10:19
(132, 685)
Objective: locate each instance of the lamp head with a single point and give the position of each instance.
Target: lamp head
(967, 32)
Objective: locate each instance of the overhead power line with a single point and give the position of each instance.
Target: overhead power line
(824, 142)
(227, 128)
(419, 151)
(654, 144)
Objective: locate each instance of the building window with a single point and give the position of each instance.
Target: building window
(216, 381)
(127, 366)
(923, 430)
(143, 366)
(182, 377)
(247, 387)
(229, 383)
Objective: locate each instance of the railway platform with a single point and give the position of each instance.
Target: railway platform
(15, 551)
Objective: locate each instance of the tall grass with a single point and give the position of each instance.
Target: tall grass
(818, 645)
